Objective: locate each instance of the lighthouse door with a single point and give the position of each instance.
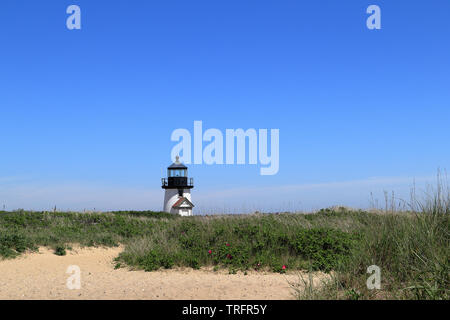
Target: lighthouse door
(184, 212)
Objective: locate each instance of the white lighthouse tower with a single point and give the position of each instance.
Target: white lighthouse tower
(177, 198)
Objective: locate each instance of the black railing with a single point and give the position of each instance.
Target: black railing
(177, 182)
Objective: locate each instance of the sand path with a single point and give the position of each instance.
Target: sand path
(43, 276)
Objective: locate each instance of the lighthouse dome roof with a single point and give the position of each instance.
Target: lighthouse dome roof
(177, 164)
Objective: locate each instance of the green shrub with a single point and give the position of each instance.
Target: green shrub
(325, 248)
(154, 260)
(12, 244)
(60, 251)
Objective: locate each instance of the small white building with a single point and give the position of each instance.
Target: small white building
(177, 185)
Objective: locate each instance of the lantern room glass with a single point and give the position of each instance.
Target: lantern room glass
(177, 173)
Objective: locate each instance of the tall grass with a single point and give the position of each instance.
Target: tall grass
(411, 248)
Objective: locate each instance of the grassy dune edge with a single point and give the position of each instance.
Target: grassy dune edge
(411, 248)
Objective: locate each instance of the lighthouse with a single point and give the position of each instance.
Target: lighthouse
(177, 185)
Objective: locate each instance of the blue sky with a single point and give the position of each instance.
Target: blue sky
(86, 115)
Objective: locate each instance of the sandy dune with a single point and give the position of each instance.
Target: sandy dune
(43, 276)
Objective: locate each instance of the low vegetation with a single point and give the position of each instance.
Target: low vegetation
(411, 247)
(155, 240)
